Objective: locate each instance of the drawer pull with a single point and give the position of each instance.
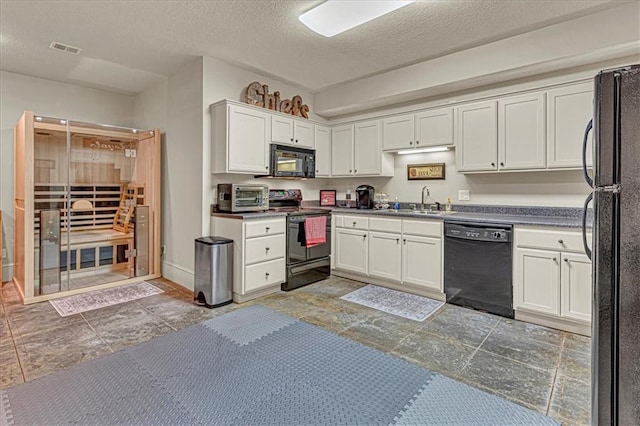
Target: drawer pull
(555, 259)
(267, 229)
(397, 240)
(566, 260)
(417, 142)
(493, 164)
(561, 241)
(502, 164)
(410, 143)
(404, 241)
(267, 249)
(266, 275)
(354, 224)
(364, 236)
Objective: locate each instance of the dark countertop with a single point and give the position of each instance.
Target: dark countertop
(249, 215)
(559, 217)
(510, 219)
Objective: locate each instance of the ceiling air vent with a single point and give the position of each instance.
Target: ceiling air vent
(65, 47)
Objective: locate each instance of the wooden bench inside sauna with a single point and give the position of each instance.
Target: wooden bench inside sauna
(87, 206)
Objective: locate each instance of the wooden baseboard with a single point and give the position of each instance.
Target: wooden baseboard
(554, 322)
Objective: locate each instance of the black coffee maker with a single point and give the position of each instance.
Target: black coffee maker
(365, 196)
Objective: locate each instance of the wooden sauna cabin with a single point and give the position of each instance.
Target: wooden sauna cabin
(87, 206)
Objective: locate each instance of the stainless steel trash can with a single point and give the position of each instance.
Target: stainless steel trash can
(213, 284)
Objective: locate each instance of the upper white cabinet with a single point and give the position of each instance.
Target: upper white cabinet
(424, 129)
(477, 137)
(323, 151)
(291, 131)
(241, 139)
(367, 143)
(569, 109)
(521, 132)
(342, 150)
(356, 150)
(434, 128)
(398, 132)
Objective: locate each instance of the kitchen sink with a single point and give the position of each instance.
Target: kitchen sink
(425, 212)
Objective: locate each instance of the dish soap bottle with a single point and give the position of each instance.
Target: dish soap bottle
(396, 204)
(447, 207)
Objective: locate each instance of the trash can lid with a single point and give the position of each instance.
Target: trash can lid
(213, 240)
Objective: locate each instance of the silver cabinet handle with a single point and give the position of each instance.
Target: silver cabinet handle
(555, 259)
(291, 139)
(561, 241)
(267, 229)
(364, 236)
(397, 240)
(566, 260)
(410, 143)
(502, 164)
(267, 248)
(266, 275)
(417, 142)
(493, 164)
(354, 224)
(404, 241)
(296, 140)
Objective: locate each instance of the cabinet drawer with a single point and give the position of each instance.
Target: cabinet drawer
(550, 239)
(353, 222)
(425, 228)
(385, 224)
(264, 274)
(260, 228)
(262, 249)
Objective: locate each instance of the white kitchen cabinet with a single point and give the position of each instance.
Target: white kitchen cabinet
(434, 128)
(351, 250)
(290, 131)
(521, 132)
(398, 132)
(576, 290)
(537, 281)
(259, 247)
(385, 253)
(422, 261)
(342, 150)
(477, 137)
(552, 279)
(421, 130)
(367, 148)
(569, 108)
(240, 139)
(323, 151)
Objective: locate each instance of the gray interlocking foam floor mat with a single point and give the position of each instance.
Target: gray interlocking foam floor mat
(254, 366)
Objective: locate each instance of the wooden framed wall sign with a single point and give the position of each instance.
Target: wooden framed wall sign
(432, 171)
(328, 197)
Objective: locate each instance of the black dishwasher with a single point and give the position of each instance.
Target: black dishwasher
(478, 266)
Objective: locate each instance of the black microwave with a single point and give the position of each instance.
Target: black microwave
(292, 162)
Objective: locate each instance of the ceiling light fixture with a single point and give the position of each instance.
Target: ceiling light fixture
(336, 16)
(419, 151)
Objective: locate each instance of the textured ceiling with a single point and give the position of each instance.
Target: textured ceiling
(130, 45)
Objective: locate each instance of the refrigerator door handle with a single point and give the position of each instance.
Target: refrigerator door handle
(587, 250)
(584, 153)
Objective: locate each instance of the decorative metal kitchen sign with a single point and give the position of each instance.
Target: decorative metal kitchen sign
(258, 94)
(425, 171)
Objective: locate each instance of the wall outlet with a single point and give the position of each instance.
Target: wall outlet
(4, 253)
(463, 195)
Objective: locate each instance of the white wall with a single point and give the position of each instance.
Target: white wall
(48, 98)
(601, 36)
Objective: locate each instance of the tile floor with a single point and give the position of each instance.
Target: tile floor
(537, 367)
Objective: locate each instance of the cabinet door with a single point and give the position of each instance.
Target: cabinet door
(397, 133)
(577, 292)
(342, 150)
(385, 256)
(303, 135)
(281, 130)
(367, 157)
(477, 137)
(422, 261)
(568, 111)
(537, 281)
(521, 132)
(351, 250)
(323, 150)
(434, 128)
(248, 140)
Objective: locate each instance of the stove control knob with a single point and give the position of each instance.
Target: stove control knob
(497, 235)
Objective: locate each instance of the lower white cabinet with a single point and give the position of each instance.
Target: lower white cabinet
(351, 250)
(259, 265)
(385, 253)
(552, 278)
(422, 261)
(406, 254)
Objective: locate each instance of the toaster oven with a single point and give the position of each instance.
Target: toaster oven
(237, 198)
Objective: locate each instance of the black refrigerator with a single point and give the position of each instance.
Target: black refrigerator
(615, 249)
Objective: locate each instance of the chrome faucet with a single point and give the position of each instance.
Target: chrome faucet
(424, 188)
